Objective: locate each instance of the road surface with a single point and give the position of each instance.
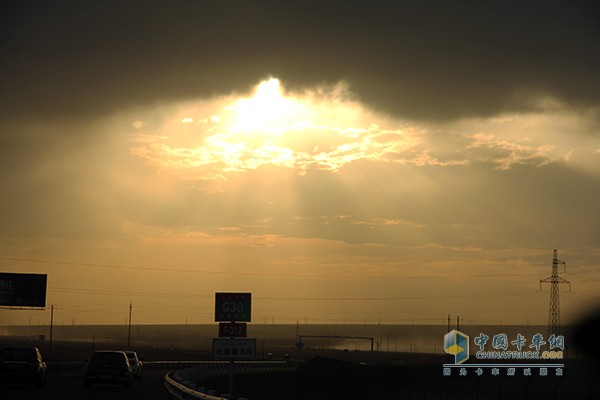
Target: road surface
(69, 386)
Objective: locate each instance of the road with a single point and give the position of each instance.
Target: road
(69, 386)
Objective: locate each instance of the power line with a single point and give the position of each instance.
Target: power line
(568, 294)
(126, 293)
(259, 274)
(280, 298)
(586, 295)
(400, 298)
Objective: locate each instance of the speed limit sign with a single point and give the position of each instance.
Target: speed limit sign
(233, 307)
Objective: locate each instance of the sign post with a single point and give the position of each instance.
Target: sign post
(232, 310)
(231, 366)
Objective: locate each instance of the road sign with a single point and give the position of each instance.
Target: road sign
(234, 349)
(233, 329)
(233, 307)
(23, 290)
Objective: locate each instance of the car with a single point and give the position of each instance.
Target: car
(108, 367)
(23, 364)
(135, 363)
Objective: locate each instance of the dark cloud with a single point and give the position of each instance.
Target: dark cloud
(426, 59)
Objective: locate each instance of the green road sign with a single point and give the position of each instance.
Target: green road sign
(233, 307)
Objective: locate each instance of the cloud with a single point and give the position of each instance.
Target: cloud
(427, 60)
(397, 183)
(506, 154)
(586, 160)
(316, 128)
(138, 124)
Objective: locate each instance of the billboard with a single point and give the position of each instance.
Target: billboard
(23, 290)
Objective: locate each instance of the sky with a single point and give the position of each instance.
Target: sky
(343, 161)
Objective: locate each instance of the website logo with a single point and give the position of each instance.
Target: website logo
(457, 344)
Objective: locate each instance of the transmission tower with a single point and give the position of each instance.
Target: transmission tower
(554, 280)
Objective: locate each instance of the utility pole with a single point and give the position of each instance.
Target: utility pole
(129, 330)
(51, 326)
(554, 280)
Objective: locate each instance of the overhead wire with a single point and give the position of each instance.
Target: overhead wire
(147, 308)
(261, 274)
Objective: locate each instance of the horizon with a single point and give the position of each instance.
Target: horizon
(285, 324)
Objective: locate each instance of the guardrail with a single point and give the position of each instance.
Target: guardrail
(183, 384)
(187, 390)
(183, 376)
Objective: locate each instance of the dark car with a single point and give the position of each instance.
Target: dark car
(22, 365)
(108, 366)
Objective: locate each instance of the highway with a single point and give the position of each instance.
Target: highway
(69, 386)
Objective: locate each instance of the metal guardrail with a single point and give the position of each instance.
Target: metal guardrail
(182, 384)
(186, 391)
(183, 376)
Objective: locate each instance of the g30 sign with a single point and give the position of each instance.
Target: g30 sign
(233, 307)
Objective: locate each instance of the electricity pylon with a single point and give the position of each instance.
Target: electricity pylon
(554, 280)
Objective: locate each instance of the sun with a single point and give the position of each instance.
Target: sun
(267, 111)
